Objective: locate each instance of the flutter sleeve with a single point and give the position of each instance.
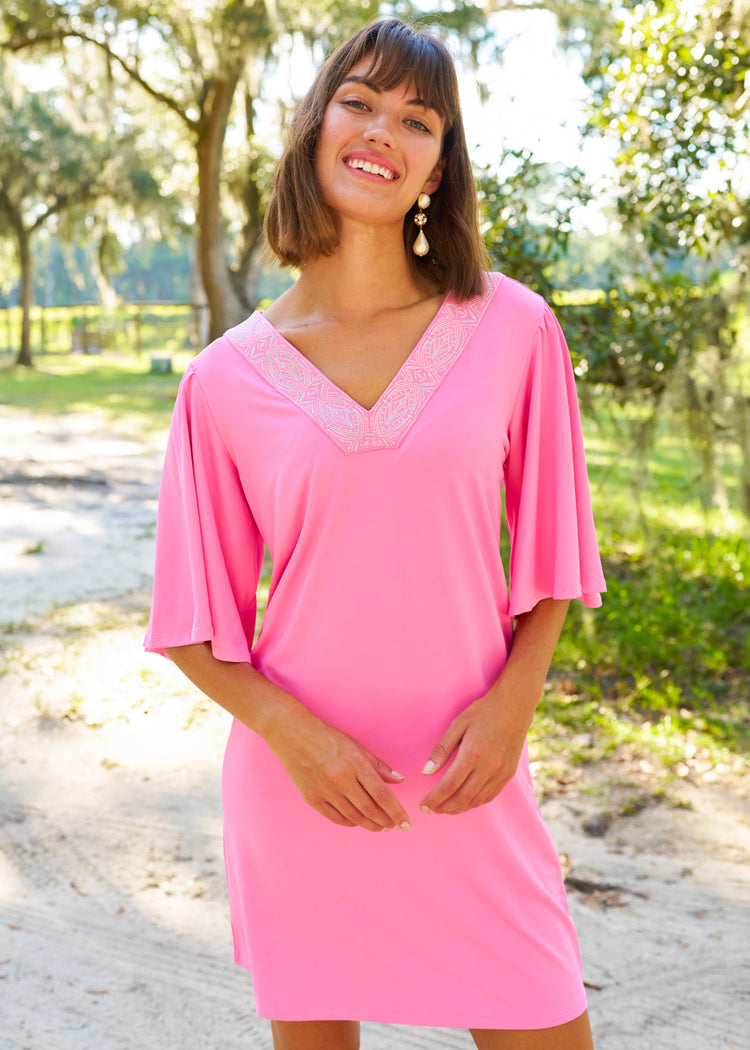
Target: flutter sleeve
(553, 548)
(208, 549)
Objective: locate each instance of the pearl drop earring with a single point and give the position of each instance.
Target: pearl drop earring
(421, 246)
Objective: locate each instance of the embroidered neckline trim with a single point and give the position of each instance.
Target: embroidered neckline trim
(347, 423)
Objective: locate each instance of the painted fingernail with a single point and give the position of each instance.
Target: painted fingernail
(397, 775)
(406, 826)
(425, 809)
(429, 767)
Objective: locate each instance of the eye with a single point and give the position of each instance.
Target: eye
(418, 125)
(355, 103)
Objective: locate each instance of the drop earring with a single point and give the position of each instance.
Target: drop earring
(421, 246)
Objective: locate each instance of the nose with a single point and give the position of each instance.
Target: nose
(380, 131)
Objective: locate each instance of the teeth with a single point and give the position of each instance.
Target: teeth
(374, 169)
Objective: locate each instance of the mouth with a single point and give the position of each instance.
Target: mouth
(371, 169)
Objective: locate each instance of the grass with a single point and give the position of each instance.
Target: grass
(119, 388)
(663, 668)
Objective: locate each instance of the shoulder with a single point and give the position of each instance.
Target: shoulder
(511, 295)
(218, 366)
(512, 314)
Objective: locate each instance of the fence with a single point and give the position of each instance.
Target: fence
(92, 329)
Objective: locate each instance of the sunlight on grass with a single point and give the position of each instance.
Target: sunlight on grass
(121, 389)
(664, 665)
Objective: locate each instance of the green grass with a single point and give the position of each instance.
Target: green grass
(664, 665)
(117, 387)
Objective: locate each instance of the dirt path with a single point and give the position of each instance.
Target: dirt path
(113, 921)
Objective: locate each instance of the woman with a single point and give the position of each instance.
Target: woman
(363, 428)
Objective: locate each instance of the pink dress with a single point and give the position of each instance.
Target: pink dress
(388, 613)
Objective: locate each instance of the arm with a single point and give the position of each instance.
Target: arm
(489, 735)
(333, 773)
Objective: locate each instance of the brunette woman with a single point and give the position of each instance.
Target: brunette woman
(363, 428)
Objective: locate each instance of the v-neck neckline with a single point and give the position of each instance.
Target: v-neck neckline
(448, 298)
(344, 420)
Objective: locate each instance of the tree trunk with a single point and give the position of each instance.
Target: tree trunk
(24, 256)
(225, 307)
(100, 272)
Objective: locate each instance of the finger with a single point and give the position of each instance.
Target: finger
(463, 767)
(331, 813)
(384, 770)
(385, 800)
(469, 795)
(362, 799)
(474, 791)
(445, 747)
(353, 813)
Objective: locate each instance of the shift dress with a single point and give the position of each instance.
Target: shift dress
(388, 613)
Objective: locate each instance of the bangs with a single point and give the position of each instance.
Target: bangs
(397, 55)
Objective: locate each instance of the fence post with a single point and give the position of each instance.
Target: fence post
(137, 325)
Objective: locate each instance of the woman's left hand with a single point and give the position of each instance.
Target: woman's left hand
(488, 739)
(488, 736)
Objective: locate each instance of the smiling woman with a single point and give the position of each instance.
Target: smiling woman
(300, 225)
(363, 429)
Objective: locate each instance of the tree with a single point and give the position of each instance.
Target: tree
(48, 170)
(527, 208)
(674, 91)
(196, 59)
(671, 88)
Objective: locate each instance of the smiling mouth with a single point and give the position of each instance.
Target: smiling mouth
(372, 169)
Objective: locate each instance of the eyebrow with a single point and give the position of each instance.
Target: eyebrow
(353, 79)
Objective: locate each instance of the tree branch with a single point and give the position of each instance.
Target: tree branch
(86, 192)
(129, 69)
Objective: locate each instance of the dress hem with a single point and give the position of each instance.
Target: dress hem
(492, 1022)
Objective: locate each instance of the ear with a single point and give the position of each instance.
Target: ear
(435, 177)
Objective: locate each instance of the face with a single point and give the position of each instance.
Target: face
(377, 150)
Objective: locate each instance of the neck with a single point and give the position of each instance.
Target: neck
(367, 273)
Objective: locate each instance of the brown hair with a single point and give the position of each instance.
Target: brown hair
(299, 225)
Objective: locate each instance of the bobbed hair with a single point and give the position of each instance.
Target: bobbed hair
(299, 225)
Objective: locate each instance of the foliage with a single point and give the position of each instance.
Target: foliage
(634, 331)
(637, 331)
(673, 90)
(49, 167)
(670, 648)
(526, 210)
(194, 61)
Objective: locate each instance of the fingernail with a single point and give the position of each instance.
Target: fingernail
(399, 776)
(406, 826)
(425, 809)
(429, 767)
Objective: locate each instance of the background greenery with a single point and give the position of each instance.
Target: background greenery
(138, 176)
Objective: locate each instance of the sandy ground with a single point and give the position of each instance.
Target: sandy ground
(114, 931)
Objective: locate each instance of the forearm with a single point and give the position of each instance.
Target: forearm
(522, 679)
(333, 773)
(237, 687)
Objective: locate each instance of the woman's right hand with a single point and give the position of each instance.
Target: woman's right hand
(333, 773)
(336, 775)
